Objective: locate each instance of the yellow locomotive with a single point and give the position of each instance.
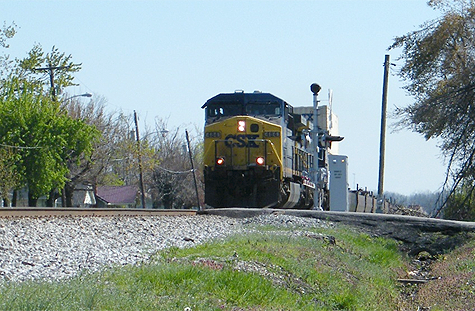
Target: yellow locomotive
(257, 153)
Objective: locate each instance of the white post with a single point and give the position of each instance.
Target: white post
(317, 200)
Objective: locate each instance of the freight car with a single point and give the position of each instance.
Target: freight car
(259, 152)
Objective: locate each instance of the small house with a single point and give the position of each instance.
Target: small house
(116, 196)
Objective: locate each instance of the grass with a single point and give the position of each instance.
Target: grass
(454, 284)
(323, 269)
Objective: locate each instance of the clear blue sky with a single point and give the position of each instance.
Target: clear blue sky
(166, 58)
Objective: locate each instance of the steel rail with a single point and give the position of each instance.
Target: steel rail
(90, 212)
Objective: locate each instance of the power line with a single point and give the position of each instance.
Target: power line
(18, 147)
(175, 172)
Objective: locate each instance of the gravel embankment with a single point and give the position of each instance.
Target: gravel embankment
(52, 248)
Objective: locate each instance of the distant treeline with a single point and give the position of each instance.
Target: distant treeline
(428, 200)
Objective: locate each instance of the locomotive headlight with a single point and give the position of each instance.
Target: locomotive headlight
(220, 161)
(242, 126)
(260, 161)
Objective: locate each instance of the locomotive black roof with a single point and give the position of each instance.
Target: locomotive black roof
(243, 98)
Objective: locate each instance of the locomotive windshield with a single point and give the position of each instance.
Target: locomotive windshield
(255, 104)
(263, 109)
(224, 109)
(251, 109)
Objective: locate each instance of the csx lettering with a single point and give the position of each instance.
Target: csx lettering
(241, 140)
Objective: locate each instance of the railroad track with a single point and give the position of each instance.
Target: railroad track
(90, 212)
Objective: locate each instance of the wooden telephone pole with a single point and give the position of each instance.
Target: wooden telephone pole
(139, 152)
(50, 69)
(382, 140)
(193, 171)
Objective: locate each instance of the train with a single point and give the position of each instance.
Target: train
(261, 152)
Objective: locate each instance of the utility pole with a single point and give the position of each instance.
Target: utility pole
(51, 70)
(382, 140)
(193, 170)
(139, 152)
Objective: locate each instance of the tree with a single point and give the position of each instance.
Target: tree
(44, 136)
(460, 205)
(6, 33)
(113, 151)
(9, 179)
(52, 71)
(171, 183)
(34, 122)
(47, 142)
(439, 71)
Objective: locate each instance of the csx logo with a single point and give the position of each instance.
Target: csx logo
(241, 140)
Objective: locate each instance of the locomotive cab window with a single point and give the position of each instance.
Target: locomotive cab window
(224, 109)
(215, 111)
(263, 109)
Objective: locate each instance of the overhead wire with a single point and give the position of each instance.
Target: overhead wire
(175, 172)
(18, 147)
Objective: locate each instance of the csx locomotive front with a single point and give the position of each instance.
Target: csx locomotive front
(255, 153)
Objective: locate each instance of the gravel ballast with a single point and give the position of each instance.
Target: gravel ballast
(53, 248)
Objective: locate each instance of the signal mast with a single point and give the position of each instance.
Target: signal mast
(319, 191)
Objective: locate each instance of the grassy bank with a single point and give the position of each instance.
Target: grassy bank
(321, 269)
(453, 281)
(270, 269)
